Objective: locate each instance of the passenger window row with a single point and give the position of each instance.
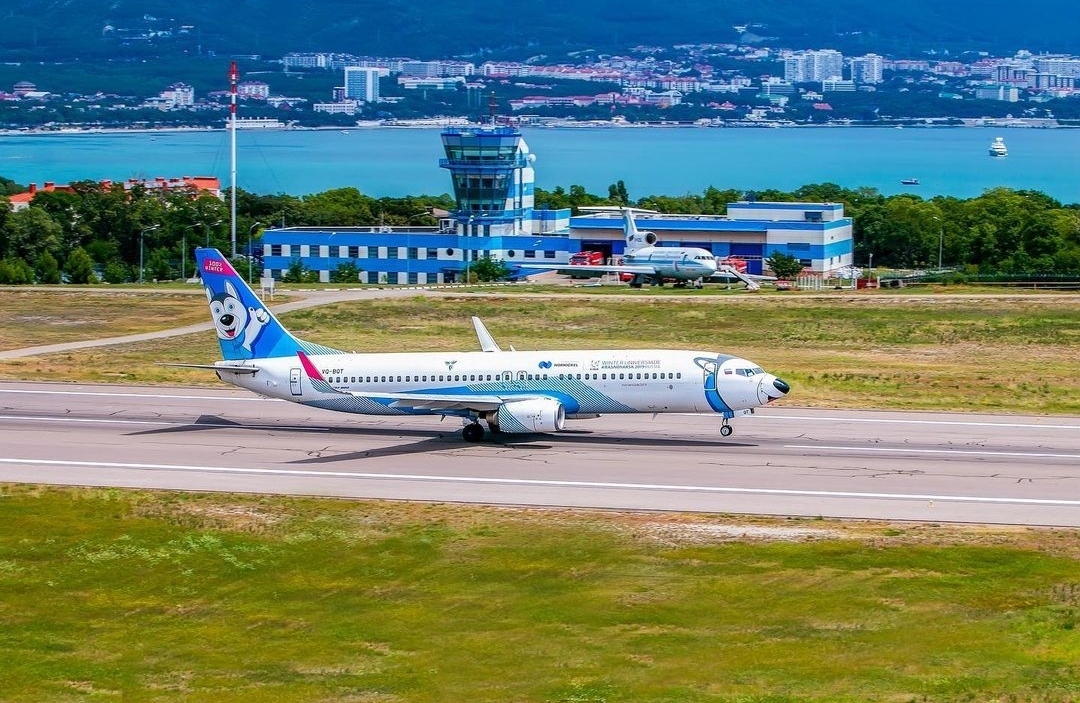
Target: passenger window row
(443, 378)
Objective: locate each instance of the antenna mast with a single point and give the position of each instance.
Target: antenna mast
(234, 77)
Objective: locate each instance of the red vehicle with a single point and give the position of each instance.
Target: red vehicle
(587, 258)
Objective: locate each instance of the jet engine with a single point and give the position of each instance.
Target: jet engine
(534, 415)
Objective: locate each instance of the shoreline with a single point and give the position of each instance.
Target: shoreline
(427, 123)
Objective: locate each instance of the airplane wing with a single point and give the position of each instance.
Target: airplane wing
(594, 270)
(446, 402)
(730, 273)
(227, 368)
(727, 273)
(435, 402)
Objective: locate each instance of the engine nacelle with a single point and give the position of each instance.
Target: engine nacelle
(535, 415)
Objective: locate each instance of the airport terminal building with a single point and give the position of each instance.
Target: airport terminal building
(492, 173)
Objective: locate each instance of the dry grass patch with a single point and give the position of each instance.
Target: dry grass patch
(31, 318)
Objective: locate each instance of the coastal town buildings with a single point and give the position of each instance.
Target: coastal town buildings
(191, 185)
(641, 85)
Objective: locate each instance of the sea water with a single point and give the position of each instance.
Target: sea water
(650, 161)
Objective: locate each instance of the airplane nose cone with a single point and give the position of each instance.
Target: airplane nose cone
(781, 386)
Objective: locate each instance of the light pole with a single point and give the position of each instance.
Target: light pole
(206, 229)
(142, 236)
(183, 250)
(940, 239)
(940, 243)
(252, 227)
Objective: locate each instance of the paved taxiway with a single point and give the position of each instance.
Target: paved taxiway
(783, 461)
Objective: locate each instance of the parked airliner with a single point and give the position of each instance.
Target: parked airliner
(648, 262)
(504, 391)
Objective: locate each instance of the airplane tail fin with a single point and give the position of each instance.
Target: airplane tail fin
(246, 329)
(635, 238)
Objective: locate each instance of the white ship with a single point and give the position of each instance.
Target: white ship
(997, 147)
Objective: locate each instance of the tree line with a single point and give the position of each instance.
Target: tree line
(94, 232)
(115, 229)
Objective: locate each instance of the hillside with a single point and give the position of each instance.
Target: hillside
(96, 29)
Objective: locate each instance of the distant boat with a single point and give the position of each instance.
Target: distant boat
(997, 147)
(909, 181)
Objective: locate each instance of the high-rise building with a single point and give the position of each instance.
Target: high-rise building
(362, 83)
(866, 69)
(795, 69)
(814, 66)
(824, 64)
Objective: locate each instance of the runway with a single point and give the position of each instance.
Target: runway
(931, 467)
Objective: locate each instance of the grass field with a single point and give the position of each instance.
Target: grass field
(30, 317)
(926, 352)
(137, 596)
(112, 595)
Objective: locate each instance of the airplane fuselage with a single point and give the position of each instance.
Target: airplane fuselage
(679, 263)
(583, 382)
(506, 392)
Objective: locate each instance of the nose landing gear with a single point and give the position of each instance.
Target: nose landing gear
(726, 429)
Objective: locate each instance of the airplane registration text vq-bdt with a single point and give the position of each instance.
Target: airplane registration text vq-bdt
(506, 391)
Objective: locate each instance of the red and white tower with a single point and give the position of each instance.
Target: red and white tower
(234, 79)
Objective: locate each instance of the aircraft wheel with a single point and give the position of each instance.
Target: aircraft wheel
(473, 432)
(726, 430)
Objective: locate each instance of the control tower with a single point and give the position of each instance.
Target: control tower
(491, 168)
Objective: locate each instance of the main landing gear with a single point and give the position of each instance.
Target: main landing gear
(726, 429)
(473, 432)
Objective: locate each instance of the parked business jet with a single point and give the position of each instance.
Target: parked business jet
(646, 262)
(506, 391)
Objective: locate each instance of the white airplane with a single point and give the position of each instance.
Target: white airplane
(506, 391)
(650, 263)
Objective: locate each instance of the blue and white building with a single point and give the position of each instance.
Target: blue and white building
(818, 234)
(491, 169)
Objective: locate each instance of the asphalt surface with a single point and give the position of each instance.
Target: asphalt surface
(831, 463)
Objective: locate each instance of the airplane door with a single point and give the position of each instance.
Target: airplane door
(508, 376)
(709, 370)
(294, 382)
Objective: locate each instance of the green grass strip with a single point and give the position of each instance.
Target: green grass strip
(109, 595)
